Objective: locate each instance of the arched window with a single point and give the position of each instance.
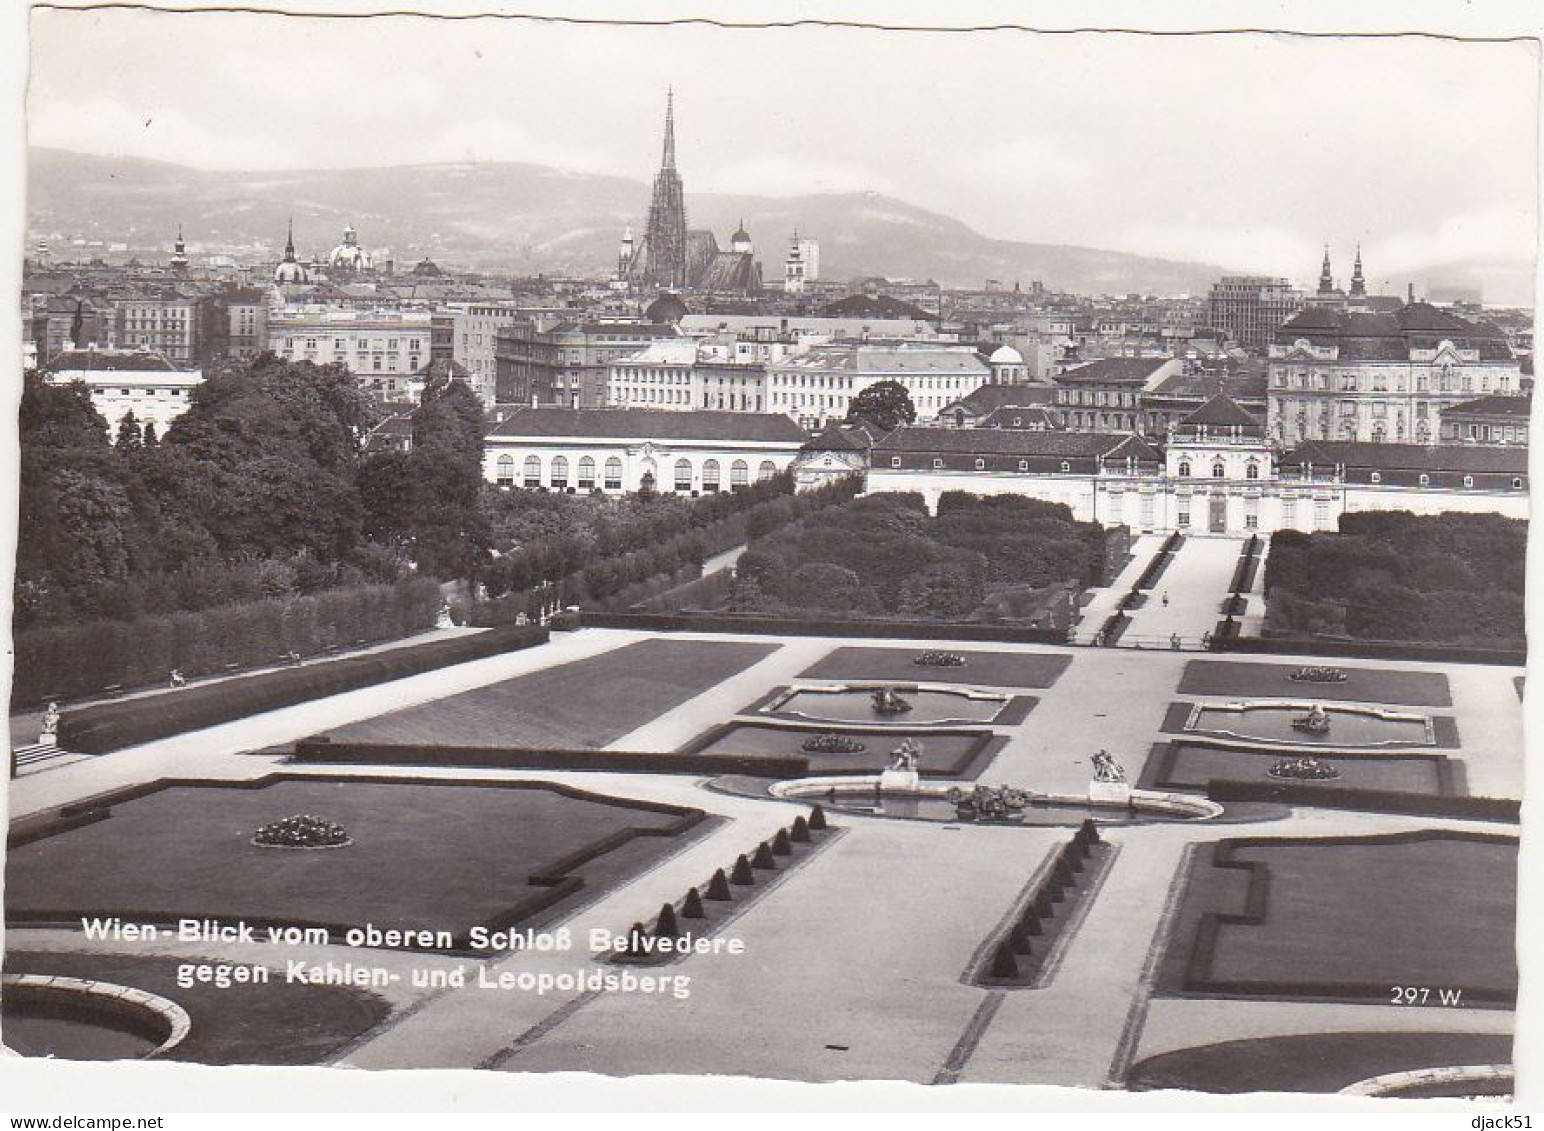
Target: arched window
(1219, 471)
(1425, 480)
(683, 475)
(1468, 481)
(559, 473)
(506, 472)
(1184, 468)
(766, 471)
(614, 474)
(586, 474)
(710, 475)
(739, 473)
(1252, 471)
(532, 471)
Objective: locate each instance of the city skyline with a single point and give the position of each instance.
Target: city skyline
(1264, 180)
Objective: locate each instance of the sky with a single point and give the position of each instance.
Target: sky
(1249, 151)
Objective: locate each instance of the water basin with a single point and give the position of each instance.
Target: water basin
(856, 705)
(1349, 727)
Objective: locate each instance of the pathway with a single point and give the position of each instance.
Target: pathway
(1196, 583)
(1105, 599)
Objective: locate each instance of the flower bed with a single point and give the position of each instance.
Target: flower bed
(831, 743)
(302, 831)
(940, 660)
(1317, 675)
(1303, 769)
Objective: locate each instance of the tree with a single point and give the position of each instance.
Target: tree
(131, 436)
(151, 438)
(450, 529)
(885, 404)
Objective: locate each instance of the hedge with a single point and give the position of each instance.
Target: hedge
(1369, 800)
(715, 621)
(76, 661)
(1369, 649)
(106, 727)
(323, 750)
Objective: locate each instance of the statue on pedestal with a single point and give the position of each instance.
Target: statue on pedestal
(49, 734)
(1316, 721)
(904, 757)
(901, 776)
(445, 620)
(1107, 769)
(886, 702)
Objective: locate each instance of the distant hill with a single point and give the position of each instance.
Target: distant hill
(527, 219)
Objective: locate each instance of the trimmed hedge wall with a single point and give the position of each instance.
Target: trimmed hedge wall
(1369, 649)
(1369, 800)
(76, 661)
(783, 626)
(325, 751)
(106, 727)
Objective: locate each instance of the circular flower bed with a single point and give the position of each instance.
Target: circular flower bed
(1304, 769)
(830, 743)
(940, 660)
(1317, 675)
(302, 831)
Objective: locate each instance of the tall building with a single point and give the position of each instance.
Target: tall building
(672, 258)
(178, 263)
(664, 239)
(1249, 308)
(1384, 378)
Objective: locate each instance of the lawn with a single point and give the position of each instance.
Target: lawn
(1347, 918)
(1183, 766)
(1246, 679)
(952, 754)
(982, 669)
(426, 855)
(586, 704)
(1318, 1062)
(277, 1023)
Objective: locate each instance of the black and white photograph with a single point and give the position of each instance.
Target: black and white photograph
(909, 546)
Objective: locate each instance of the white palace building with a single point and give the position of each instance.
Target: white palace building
(617, 450)
(1217, 473)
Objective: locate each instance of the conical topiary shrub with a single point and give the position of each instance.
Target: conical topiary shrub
(666, 926)
(781, 844)
(1029, 923)
(1018, 938)
(718, 887)
(1089, 830)
(691, 906)
(1004, 963)
(817, 818)
(799, 833)
(635, 939)
(742, 873)
(763, 858)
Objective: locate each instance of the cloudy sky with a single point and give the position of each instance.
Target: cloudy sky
(1244, 150)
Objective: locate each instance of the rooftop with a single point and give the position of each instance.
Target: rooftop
(648, 424)
(1410, 457)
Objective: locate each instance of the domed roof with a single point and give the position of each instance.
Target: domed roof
(290, 272)
(667, 308)
(740, 234)
(1006, 355)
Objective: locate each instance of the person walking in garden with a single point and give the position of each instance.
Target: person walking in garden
(1166, 598)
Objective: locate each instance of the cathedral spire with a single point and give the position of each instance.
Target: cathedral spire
(289, 243)
(1358, 283)
(1326, 280)
(668, 161)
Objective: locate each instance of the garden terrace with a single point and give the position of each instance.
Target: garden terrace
(245, 1023)
(1345, 918)
(955, 754)
(495, 854)
(1245, 679)
(981, 669)
(1193, 766)
(1312, 1062)
(106, 727)
(586, 703)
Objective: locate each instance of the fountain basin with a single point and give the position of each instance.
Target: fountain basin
(853, 703)
(929, 801)
(1269, 723)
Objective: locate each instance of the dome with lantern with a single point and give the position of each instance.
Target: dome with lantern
(348, 257)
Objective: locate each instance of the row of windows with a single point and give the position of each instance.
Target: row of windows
(531, 473)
